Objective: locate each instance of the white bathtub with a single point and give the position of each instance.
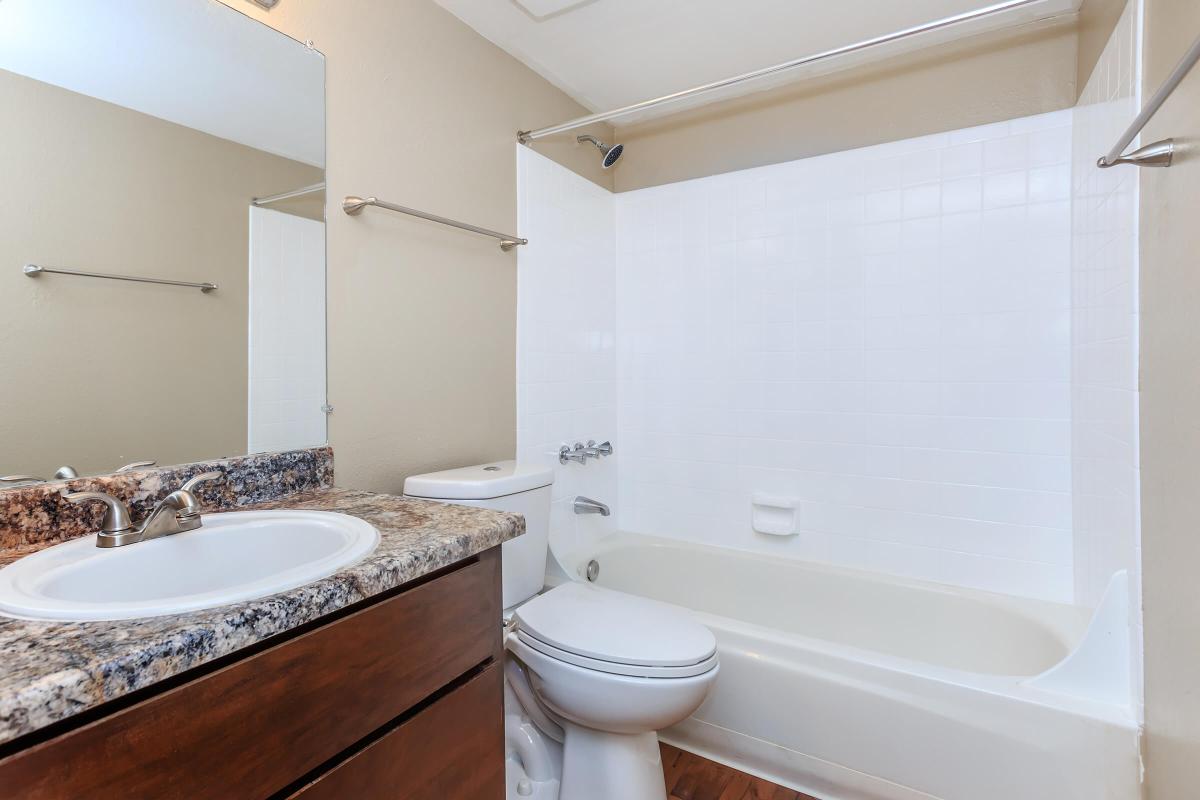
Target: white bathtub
(850, 685)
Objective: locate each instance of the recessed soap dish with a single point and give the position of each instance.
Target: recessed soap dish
(775, 515)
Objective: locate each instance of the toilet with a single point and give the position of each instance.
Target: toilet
(591, 675)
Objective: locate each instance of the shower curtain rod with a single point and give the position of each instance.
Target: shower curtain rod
(524, 137)
(275, 198)
(1156, 154)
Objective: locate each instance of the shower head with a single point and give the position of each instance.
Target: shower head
(611, 154)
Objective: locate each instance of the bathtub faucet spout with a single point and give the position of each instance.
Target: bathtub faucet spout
(586, 505)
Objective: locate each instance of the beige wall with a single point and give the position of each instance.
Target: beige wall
(983, 79)
(424, 112)
(1097, 18)
(1170, 421)
(98, 373)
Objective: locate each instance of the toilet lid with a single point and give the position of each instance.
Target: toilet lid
(614, 626)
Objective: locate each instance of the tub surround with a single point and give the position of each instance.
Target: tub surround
(54, 670)
(34, 516)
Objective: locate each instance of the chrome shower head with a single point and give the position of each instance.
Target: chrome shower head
(611, 154)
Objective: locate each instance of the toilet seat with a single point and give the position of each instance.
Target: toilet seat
(615, 633)
(615, 667)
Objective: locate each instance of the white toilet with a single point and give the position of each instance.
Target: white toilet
(592, 674)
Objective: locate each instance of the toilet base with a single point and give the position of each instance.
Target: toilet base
(603, 766)
(587, 765)
(519, 786)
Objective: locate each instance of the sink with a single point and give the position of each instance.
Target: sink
(234, 556)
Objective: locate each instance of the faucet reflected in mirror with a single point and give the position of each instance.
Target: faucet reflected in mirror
(65, 473)
(177, 512)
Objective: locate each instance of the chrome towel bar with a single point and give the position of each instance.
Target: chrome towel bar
(1156, 154)
(355, 205)
(33, 270)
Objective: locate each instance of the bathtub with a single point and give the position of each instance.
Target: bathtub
(850, 685)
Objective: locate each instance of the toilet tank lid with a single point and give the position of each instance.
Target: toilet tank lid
(479, 482)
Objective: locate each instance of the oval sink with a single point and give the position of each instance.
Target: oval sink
(235, 556)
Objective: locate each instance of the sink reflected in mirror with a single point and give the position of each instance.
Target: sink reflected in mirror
(235, 556)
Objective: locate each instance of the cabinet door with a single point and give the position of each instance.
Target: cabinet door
(451, 750)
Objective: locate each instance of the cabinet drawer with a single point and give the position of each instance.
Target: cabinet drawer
(452, 750)
(253, 727)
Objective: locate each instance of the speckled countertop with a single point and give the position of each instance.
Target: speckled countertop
(52, 670)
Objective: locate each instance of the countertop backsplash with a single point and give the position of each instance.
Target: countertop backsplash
(34, 515)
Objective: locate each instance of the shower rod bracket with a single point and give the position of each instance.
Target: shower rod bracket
(1156, 154)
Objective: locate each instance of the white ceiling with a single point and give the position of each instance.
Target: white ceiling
(199, 64)
(611, 53)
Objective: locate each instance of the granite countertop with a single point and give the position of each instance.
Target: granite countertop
(52, 670)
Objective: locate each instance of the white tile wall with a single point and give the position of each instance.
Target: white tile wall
(885, 335)
(1104, 331)
(882, 334)
(566, 337)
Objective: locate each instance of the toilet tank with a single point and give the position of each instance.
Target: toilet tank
(502, 486)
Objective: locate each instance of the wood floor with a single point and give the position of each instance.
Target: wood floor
(690, 777)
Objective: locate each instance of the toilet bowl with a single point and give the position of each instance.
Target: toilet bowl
(591, 675)
(609, 670)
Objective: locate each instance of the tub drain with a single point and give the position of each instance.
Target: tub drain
(593, 570)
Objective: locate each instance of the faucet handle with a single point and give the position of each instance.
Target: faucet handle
(203, 477)
(577, 454)
(184, 499)
(135, 465)
(116, 516)
(596, 450)
(21, 479)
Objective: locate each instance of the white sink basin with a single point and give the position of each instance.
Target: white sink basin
(235, 556)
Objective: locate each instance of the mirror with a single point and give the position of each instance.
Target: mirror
(137, 135)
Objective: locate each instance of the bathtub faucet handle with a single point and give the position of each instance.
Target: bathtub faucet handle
(578, 454)
(596, 450)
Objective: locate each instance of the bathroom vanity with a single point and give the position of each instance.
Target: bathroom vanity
(381, 680)
(397, 697)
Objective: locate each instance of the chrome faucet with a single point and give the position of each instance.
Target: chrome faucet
(177, 512)
(581, 453)
(586, 505)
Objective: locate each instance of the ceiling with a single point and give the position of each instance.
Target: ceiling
(611, 53)
(201, 65)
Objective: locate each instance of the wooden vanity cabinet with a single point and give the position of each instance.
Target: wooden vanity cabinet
(400, 697)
